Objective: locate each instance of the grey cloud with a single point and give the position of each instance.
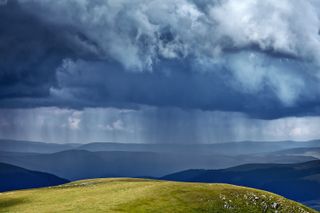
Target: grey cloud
(29, 54)
(137, 33)
(244, 82)
(256, 57)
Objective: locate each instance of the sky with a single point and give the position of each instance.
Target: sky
(159, 71)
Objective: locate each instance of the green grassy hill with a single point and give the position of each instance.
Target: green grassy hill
(141, 195)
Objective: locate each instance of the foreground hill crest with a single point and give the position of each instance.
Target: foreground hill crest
(142, 195)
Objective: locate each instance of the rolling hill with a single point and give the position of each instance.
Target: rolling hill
(231, 148)
(81, 164)
(305, 151)
(141, 195)
(13, 178)
(299, 182)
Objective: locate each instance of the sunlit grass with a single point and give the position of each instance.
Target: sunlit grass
(140, 195)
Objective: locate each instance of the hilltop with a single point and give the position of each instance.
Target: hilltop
(142, 195)
(300, 182)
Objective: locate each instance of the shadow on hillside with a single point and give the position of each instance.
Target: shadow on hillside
(9, 202)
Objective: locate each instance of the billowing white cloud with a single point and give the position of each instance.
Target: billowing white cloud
(138, 32)
(261, 42)
(251, 56)
(283, 26)
(255, 71)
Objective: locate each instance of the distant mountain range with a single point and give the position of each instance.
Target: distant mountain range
(33, 147)
(13, 178)
(312, 152)
(300, 182)
(80, 164)
(75, 161)
(232, 148)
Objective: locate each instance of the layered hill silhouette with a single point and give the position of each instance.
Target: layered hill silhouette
(13, 178)
(33, 147)
(78, 161)
(232, 148)
(81, 164)
(299, 182)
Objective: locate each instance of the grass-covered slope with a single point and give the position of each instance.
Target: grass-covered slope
(140, 195)
(300, 182)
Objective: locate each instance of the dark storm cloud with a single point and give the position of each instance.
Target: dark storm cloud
(181, 85)
(28, 56)
(180, 53)
(30, 52)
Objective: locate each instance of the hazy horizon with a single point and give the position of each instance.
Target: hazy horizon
(164, 143)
